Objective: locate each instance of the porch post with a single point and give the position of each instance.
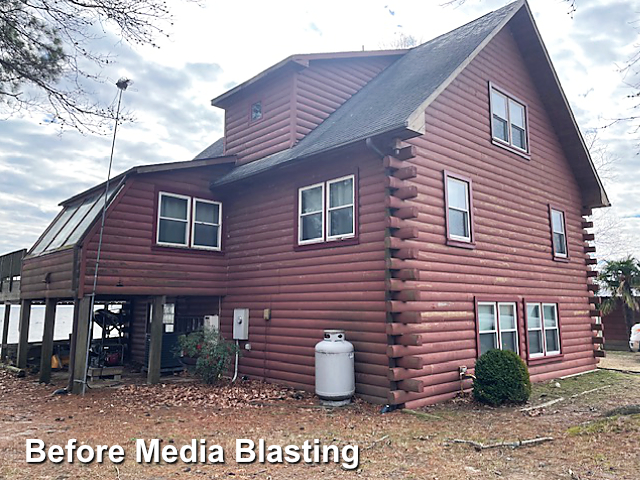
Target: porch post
(155, 345)
(5, 331)
(80, 343)
(72, 343)
(47, 340)
(23, 333)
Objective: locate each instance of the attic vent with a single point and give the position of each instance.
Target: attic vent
(256, 111)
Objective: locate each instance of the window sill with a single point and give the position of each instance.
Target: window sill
(543, 360)
(506, 146)
(189, 250)
(560, 259)
(329, 244)
(461, 244)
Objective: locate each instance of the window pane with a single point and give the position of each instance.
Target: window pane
(486, 317)
(507, 317)
(256, 111)
(457, 194)
(488, 341)
(559, 244)
(500, 129)
(550, 316)
(535, 342)
(518, 138)
(207, 212)
(172, 231)
(516, 114)
(509, 341)
(205, 235)
(312, 200)
(311, 227)
(341, 193)
(341, 221)
(557, 221)
(533, 317)
(551, 336)
(499, 104)
(173, 207)
(458, 223)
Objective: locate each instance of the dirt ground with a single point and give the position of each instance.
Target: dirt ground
(590, 441)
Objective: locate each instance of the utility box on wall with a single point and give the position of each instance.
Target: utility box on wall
(241, 324)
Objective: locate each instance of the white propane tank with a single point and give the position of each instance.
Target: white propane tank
(335, 376)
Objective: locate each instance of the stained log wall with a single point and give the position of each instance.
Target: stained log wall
(131, 263)
(49, 276)
(309, 289)
(294, 101)
(513, 257)
(325, 85)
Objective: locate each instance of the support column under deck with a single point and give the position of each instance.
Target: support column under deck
(47, 340)
(5, 332)
(23, 333)
(155, 346)
(80, 337)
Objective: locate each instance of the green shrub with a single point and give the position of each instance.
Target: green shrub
(501, 377)
(214, 355)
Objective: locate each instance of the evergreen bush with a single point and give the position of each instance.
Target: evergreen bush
(501, 378)
(214, 355)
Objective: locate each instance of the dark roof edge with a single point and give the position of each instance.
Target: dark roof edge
(301, 60)
(400, 131)
(154, 168)
(417, 119)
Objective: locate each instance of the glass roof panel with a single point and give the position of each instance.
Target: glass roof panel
(53, 231)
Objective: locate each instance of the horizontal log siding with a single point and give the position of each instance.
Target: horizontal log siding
(129, 256)
(327, 84)
(60, 268)
(307, 290)
(271, 134)
(513, 254)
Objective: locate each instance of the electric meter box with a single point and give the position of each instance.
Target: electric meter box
(212, 323)
(241, 324)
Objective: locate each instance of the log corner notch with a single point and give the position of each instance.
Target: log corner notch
(399, 274)
(591, 274)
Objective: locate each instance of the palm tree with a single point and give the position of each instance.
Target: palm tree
(621, 278)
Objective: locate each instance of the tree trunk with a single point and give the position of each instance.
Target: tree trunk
(628, 317)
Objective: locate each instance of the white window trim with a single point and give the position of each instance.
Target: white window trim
(352, 205)
(498, 329)
(193, 225)
(319, 239)
(467, 211)
(542, 330)
(160, 217)
(563, 232)
(508, 120)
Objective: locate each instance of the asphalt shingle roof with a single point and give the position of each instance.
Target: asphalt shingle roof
(387, 101)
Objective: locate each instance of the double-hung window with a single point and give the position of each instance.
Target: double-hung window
(173, 220)
(459, 219)
(508, 120)
(184, 221)
(326, 211)
(497, 326)
(206, 224)
(543, 329)
(558, 232)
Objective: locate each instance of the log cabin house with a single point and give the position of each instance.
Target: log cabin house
(428, 201)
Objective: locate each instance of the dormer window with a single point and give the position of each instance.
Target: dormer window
(508, 121)
(256, 111)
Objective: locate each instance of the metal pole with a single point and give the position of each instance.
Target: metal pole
(122, 84)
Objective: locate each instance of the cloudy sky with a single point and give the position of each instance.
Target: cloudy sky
(220, 44)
